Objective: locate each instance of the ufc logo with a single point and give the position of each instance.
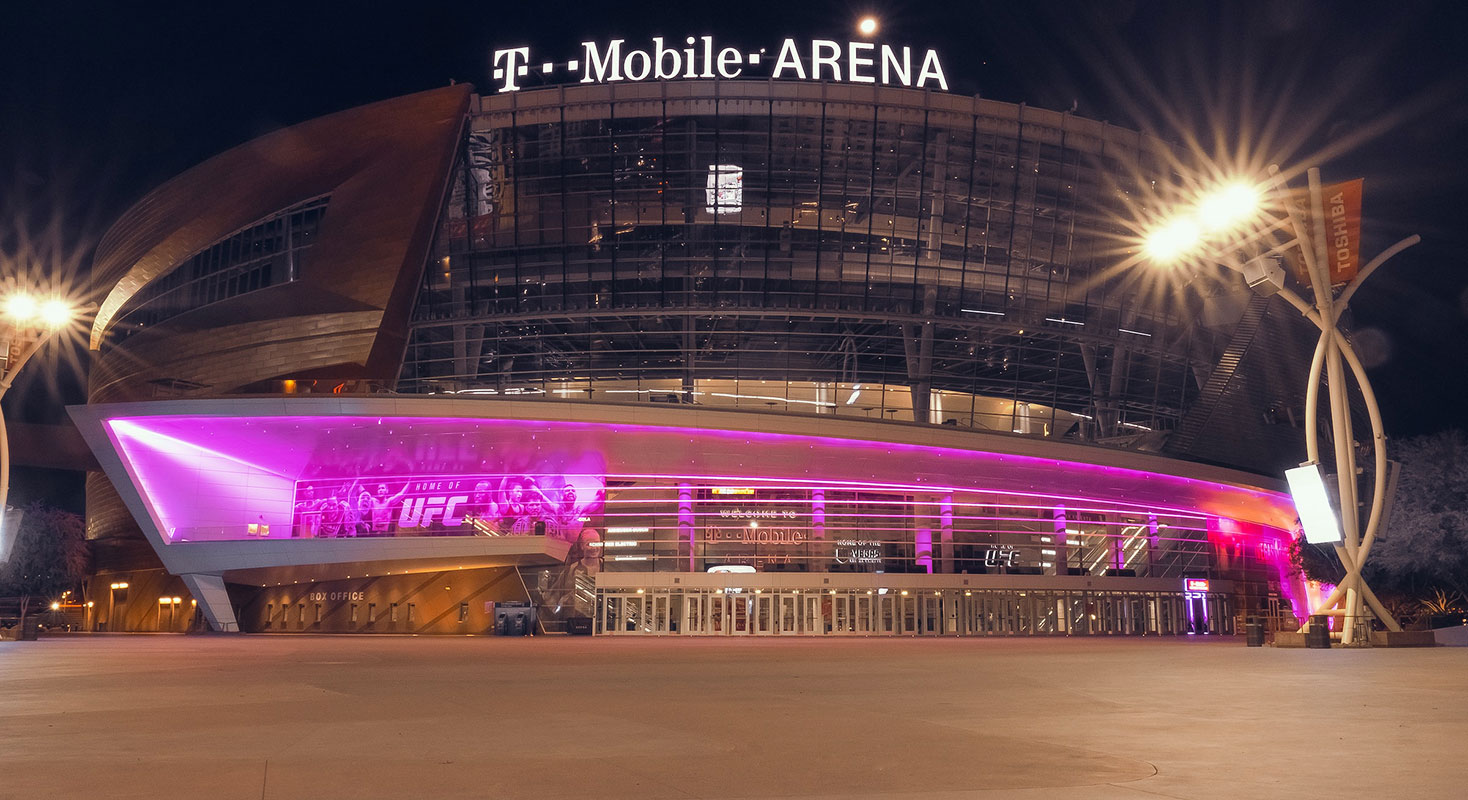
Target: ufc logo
(419, 512)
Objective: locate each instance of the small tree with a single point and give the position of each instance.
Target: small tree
(50, 555)
(1317, 562)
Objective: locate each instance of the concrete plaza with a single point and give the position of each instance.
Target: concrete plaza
(906, 719)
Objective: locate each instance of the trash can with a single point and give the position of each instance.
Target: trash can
(1318, 636)
(1254, 632)
(579, 626)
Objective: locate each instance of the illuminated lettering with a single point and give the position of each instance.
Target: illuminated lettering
(857, 551)
(864, 62)
(854, 61)
(635, 73)
(515, 67)
(662, 54)
(831, 59)
(688, 52)
(599, 65)
(931, 68)
(789, 58)
(449, 520)
(730, 57)
(1001, 556)
(891, 66)
(419, 512)
(708, 57)
(412, 512)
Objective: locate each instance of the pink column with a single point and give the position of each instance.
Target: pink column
(1152, 570)
(687, 530)
(945, 528)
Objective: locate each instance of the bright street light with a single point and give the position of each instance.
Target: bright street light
(1217, 214)
(867, 26)
(54, 313)
(21, 307)
(27, 310)
(1228, 207)
(1173, 240)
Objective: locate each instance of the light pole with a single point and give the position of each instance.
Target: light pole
(1229, 227)
(26, 323)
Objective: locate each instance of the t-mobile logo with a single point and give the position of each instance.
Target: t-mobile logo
(516, 60)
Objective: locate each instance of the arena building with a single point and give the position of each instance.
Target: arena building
(688, 356)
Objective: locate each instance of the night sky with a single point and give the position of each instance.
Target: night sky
(101, 102)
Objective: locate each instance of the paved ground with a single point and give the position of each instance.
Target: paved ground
(369, 717)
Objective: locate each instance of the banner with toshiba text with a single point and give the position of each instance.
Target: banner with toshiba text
(1342, 202)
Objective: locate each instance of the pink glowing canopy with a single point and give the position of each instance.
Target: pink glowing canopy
(212, 476)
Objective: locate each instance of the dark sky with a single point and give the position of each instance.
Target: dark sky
(100, 102)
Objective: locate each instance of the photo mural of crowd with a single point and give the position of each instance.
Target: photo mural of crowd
(487, 505)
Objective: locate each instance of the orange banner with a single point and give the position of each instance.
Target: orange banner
(1342, 203)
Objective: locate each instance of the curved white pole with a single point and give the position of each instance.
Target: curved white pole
(1373, 264)
(5, 381)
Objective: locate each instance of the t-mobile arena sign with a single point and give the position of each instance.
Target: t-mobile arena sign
(820, 59)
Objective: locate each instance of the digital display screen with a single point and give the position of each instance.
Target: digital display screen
(725, 192)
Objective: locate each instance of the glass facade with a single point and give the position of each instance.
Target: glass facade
(657, 526)
(897, 612)
(266, 253)
(895, 259)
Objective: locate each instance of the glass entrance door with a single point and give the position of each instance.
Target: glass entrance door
(908, 619)
(841, 613)
(762, 614)
(740, 606)
(887, 614)
(1196, 606)
(786, 616)
(661, 613)
(693, 616)
(718, 613)
(863, 616)
(812, 622)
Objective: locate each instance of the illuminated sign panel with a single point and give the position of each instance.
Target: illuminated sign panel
(765, 528)
(731, 569)
(858, 551)
(699, 58)
(1317, 516)
(1195, 584)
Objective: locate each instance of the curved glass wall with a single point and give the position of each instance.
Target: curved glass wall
(266, 253)
(955, 266)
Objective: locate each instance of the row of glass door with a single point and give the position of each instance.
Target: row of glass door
(946, 612)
